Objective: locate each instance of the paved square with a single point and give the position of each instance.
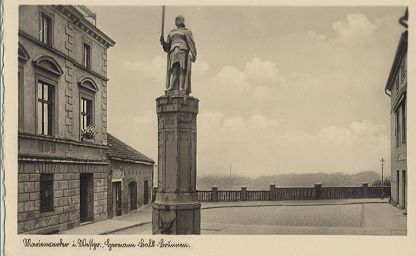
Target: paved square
(325, 217)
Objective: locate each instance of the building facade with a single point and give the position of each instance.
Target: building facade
(130, 178)
(62, 122)
(396, 89)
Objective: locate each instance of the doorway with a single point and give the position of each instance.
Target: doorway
(116, 186)
(86, 197)
(404, 189)
(398, 188)
(133, 195)
(146, 192)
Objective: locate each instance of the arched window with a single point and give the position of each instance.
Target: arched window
(89, 84)
(87, 91)
(48, 64)
(22, 54)
(47, 71)
(23, 57)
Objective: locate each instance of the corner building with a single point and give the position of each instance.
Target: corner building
(62, 90)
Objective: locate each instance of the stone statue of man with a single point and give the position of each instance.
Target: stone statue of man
(180, 46)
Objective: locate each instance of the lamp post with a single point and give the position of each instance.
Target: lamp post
(382, 171)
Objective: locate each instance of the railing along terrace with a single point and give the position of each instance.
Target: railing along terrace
(317, 192)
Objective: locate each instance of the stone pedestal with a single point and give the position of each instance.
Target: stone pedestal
(176, 209)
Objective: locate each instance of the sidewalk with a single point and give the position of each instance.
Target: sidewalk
(368, 217)
(139, 217)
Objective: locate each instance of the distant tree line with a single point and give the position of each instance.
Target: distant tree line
(290, 180)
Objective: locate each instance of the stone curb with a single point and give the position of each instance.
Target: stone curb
(124, 228)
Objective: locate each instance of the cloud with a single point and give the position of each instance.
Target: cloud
(258, 80)
(355, 27)
(200, 68)
(139, 131)
(261, 72)
(315, 103)
(256, 139)
(154, 69)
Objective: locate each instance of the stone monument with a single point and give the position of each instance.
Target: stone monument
(176, 209)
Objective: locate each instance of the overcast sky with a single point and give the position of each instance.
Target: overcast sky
(281, 89)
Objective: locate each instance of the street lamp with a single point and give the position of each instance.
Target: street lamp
(382, 174)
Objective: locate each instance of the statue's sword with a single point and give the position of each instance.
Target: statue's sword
(162, 34)
(163, 21)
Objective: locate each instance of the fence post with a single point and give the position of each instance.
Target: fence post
(272, 195)
(364, 185)
(317, 187)
(154, 194)
(243, 193)
(215, 193)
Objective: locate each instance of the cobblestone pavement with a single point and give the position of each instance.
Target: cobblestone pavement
(348, 217)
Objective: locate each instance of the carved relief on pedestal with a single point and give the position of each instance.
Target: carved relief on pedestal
(169, 121)
(161, 165)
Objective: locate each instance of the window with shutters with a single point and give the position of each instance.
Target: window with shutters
(46, 192)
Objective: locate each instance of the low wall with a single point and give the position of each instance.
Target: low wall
(317, 192)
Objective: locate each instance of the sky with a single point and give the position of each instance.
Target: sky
(281, 89)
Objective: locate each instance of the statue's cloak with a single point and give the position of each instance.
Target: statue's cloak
(188, 48)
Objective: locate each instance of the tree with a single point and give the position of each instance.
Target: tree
(386, 182)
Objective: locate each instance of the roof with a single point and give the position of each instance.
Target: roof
(118, 150)
(400, 53)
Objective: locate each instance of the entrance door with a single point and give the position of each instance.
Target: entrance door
(116, 198)
(86, 197)
(398, 188)
(146, 192)
(133, 195)
(404, 190)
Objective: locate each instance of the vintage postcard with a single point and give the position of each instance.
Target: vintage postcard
(209, 128)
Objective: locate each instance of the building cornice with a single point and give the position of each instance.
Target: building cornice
(61, 54)
(30, 158)
(400, 53)
(81, 22)
(59, 140)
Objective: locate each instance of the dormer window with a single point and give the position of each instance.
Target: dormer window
(45, 29)
(86, 61)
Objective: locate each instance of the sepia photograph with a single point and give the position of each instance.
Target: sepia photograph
(207, 128)
(212, 120)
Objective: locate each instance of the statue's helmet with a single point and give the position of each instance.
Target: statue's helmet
(180, 20)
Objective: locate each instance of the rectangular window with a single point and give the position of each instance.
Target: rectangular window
(86, 61)
(86, 113)
(44, 108)
(46, 29)
(397, 115)
(46, 192)
(403, 114)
